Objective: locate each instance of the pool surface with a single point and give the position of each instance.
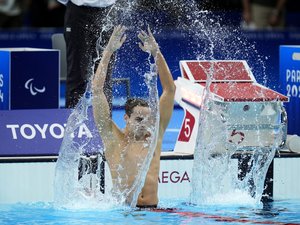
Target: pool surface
(171, 212)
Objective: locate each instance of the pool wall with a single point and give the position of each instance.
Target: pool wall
(30, 179)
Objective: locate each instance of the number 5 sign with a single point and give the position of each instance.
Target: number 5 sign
(187, 127)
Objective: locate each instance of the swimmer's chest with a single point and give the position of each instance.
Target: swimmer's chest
(135, 152)
(128, 155)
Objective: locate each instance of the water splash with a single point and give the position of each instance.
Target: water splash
(69, 190)
(206, 39)
(151, 82)
(217, 174)
(83, 189)
(217, 178)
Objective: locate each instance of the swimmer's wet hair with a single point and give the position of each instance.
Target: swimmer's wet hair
(133, 102)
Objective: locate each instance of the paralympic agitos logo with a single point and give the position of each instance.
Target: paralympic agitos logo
(33, 89)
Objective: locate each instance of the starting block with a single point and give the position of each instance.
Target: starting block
(253, 114)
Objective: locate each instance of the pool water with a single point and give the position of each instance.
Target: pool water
(176, 212)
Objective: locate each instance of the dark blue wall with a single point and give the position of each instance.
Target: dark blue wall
(176, 45)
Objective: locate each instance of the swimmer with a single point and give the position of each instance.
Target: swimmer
(124, 148)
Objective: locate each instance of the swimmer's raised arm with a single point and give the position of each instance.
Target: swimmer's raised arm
(150, 45)
(101, 109)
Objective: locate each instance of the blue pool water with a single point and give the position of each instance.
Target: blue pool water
(278, 212)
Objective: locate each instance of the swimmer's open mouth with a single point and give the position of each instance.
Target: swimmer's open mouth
(143, 131)
(148, 134)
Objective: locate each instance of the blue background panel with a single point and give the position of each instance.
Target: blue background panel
(43, 68)
(4, 79)
(290, 80)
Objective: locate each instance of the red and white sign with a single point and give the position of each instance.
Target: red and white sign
(187, 127)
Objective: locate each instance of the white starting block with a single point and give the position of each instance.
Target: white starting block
(251, 112)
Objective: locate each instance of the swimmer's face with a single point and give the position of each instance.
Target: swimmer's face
(139, 121)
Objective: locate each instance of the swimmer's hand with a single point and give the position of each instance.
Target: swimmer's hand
(149, 43)
(117, 39)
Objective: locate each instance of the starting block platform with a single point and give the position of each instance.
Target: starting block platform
(250, 111)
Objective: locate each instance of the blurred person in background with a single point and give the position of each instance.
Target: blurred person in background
(264, 14)
(46, 13)
(11, 13)
(84, 20)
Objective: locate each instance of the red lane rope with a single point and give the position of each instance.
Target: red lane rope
(219, 218)
(230, 219)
